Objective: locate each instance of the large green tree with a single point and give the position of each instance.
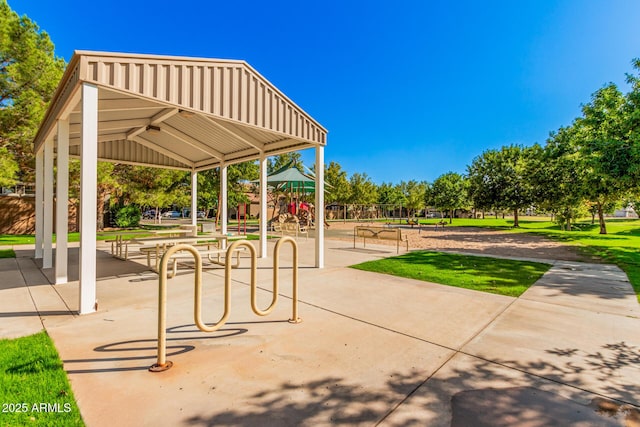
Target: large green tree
(8, 168)
(414, 195)
(559, 183)
(238, 177)
(339, 189)
(502, 179)
(153, 187)
(449, 192)
(391, 197)
(29, 74)
(363, 192)
(606, 150)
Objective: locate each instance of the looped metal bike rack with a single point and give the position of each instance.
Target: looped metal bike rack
(162, 363)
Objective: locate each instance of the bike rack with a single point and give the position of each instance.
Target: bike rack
(162, 363)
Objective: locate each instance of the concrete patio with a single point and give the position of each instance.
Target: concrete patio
(372, 349)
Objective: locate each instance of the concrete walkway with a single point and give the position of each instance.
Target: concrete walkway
(372, 349)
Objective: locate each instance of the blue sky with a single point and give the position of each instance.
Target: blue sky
(407, 89)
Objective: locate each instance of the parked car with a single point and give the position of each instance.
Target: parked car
(200, 214)
(172, 214)
(149, 214)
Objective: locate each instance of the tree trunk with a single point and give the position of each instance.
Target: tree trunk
(603, 225)
(453, 212)
(593, 217)
(568, 223)
(515, 218)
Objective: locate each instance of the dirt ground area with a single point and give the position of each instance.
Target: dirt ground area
(471, 239)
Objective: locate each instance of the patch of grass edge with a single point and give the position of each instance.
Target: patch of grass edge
(34, 388)
(493, 275)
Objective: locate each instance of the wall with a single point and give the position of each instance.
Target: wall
(17, 215)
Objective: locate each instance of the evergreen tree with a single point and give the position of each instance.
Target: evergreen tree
(29, 75)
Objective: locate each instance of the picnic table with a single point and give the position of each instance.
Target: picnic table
(156, 246)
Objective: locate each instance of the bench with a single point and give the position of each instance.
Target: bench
(412, 222)
(292, 228)
(120, 247)
(379, 233)
(440, 224)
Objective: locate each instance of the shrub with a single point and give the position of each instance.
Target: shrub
(128, 216)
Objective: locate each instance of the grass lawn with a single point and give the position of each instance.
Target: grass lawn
(7, 253)
(498, 276)
(34, 389)
(621, 246)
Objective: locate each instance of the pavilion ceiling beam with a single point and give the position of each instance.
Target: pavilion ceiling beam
(206, 165)
(101, 138)
(122, 104)
(175, 133)
(76, 128)
(155, 120)
(154, 147)
(255, 144)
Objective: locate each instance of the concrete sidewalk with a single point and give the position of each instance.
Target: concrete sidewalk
(372, 349)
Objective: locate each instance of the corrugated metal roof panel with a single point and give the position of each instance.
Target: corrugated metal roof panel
(199, 107)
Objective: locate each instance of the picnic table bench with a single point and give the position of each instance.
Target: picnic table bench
(156, 246)
(440, 224)
(205, 250)
(379, 233)
(292, 228)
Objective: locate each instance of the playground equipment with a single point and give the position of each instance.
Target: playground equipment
(162, 363)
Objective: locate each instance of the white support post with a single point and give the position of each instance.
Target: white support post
(319, 223)
(263, 205)
(62, 202)
(194, 198)
(223, 200)
(47, 255)
(39, 207)
(88, 201)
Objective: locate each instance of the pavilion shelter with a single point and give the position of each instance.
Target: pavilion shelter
(183, 113)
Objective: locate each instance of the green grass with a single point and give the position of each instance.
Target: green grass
(34, 389)
(7, 253)
(621, 246)
(498, 276)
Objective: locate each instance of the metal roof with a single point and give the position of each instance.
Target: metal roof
(179, 112)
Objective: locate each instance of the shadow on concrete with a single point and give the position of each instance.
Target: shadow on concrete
(501, 407)
(37, 313)
(600, 283)
(414, 394)
(121, 350)
(413, 397)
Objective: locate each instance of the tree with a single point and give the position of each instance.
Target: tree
(238, 177)
(339, 189)
(363, 192)
(390, 195)
(559, 185)
(448, 193)
(29, 75)
(631, 123)
(414, 195)
(8, 168)
(153, 187)
(606, 150)
(501, 179)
